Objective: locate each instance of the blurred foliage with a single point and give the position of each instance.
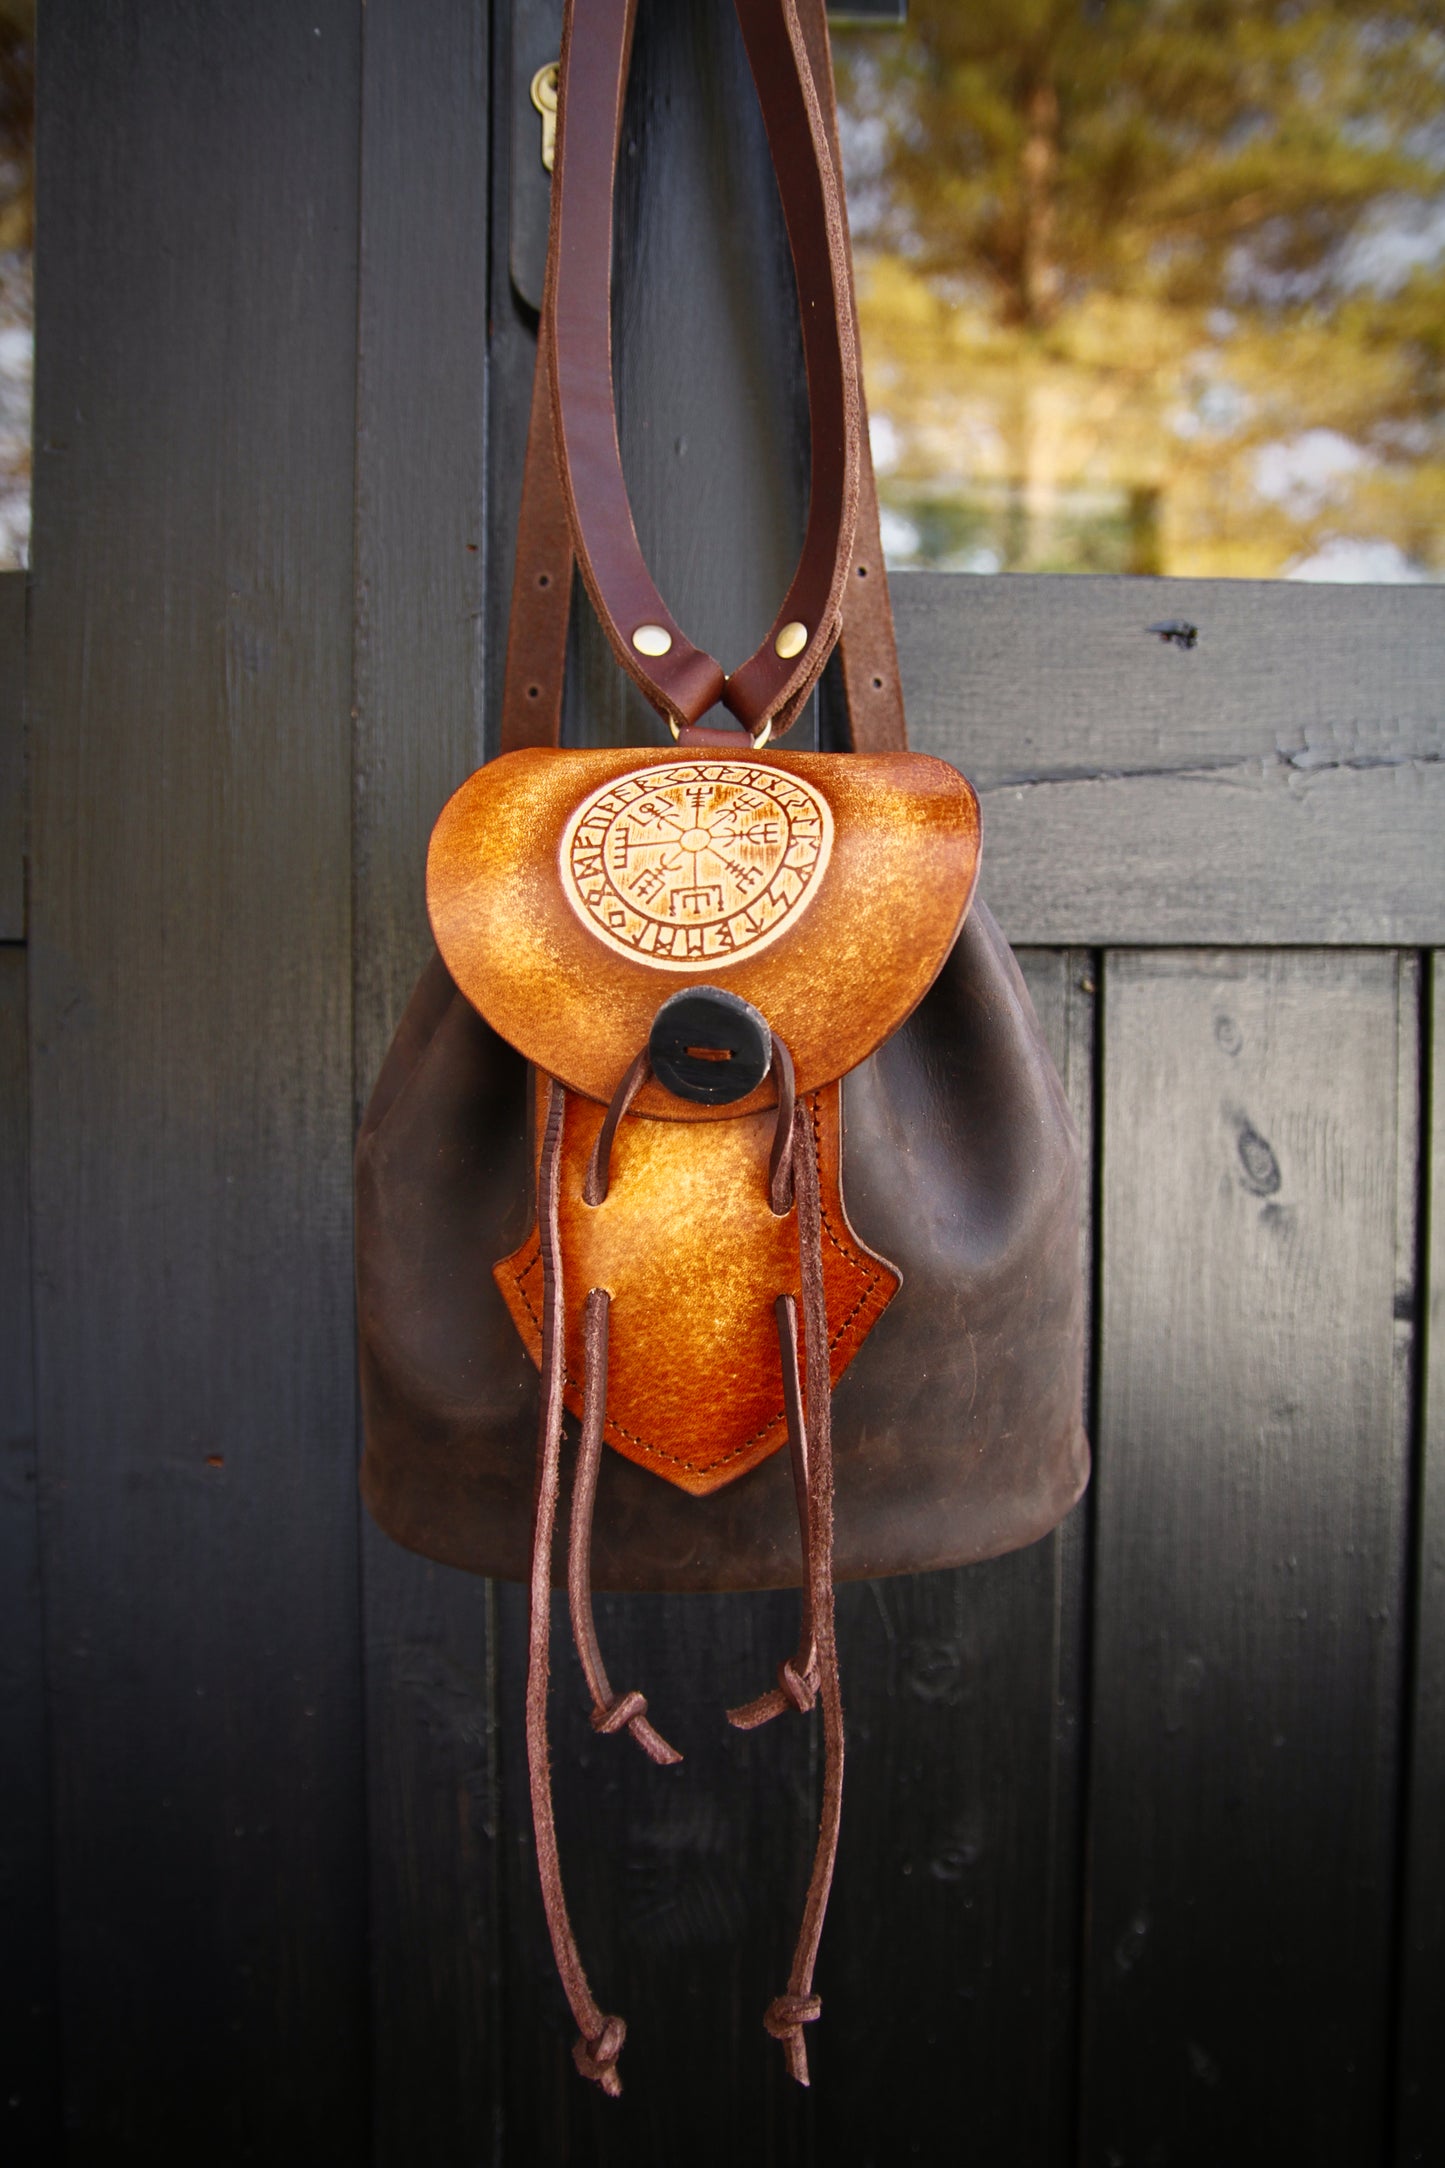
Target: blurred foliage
(17, 235)
(1155, 283)
(17, 125)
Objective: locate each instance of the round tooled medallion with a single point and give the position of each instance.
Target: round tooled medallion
(696, 863)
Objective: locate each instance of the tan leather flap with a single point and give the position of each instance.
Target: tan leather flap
(572, 893)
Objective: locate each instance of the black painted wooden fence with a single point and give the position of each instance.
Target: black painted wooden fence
(1142, 1856)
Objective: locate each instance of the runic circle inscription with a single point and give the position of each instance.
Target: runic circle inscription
(696, 863)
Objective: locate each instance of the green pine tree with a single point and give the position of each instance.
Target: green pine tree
(1135, 245)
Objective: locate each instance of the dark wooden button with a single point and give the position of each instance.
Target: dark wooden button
(709, 1046)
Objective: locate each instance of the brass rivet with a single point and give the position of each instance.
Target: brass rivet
(652, 639)
(791, 640)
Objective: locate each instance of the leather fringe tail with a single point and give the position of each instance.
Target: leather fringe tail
(609, 1712)
(814, 1669)
(797, 1686)
(600, 2036)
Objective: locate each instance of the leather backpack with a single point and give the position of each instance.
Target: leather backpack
(721, 1132)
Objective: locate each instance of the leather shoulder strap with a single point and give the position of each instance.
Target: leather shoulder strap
(682, 681)
(541, 582)
(541, 592)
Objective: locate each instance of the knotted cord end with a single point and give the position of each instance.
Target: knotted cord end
(750, 1714)
(597, 2059)
(612, 1716)
(800, 1688)
(784, 2018)
(795, 1690)
(631, 1710)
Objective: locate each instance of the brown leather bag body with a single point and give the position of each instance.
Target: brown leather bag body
(721, 1121)
(957, 1432)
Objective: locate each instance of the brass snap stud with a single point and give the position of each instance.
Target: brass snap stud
(791, 640)
(652, 639)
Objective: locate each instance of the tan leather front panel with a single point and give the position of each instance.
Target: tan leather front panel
(694, 1259)
(844, 950)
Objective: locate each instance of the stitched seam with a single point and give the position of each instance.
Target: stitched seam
(679, 1460)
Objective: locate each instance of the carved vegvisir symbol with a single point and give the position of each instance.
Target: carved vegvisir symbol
(695, 863)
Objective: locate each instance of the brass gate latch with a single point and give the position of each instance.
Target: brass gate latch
(544, 98)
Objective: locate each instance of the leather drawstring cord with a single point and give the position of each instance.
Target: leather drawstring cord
(780, 1159)
(797, 1686)
(815, 1667)
(599, 1166)
(792, 1178)
(609, 1713)
(600, 2037)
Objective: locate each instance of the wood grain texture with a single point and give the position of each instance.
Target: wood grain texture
(29, 2016)
(12, 756)
(192, 1073)
(420, 677)
(432, 1828)
(1282, 781)
(949, 1964)
(1420, 2110)
(1250, 1496)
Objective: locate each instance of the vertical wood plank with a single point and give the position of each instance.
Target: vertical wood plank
(29, 2017)
(948, 1965)
(1420, 2113)
(1258, 1255)
(12, 756)
(192, 1072)
(421, 572)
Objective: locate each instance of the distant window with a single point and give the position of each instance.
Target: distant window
(17, 280)
(1154, 285)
